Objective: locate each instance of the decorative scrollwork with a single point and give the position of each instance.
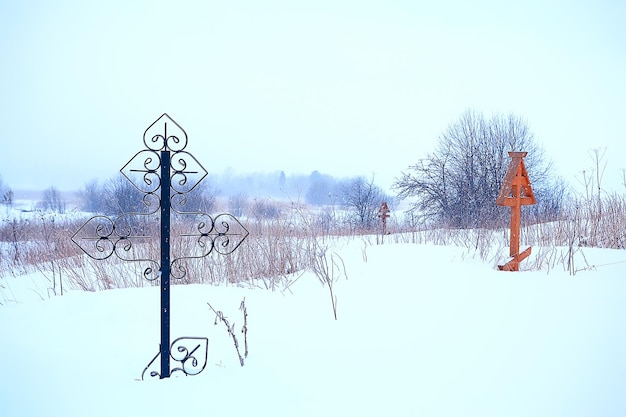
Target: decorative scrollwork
(190, 352)
(152, 202)
(96, 237)
(165, 135)
(100, 237)
(103, 232)
(222, 234)
(187, 172)
(229, 233)
(143, 171)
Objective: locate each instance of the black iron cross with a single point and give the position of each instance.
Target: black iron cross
(165, 173)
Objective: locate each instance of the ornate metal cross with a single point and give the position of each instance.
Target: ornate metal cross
(165, 173)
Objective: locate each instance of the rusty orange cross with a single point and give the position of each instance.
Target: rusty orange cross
(515, 193)
(383, 213)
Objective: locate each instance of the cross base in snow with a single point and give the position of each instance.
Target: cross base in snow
(513, 264)
(192, 358)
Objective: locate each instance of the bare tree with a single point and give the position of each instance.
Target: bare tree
(362, 198)
(52, 201)
(92, 196)
(458, 183)
(7, 198)
(321, 188)
(262, 208)
(199, 199)
(551, 201)
(6, 194)
(237, 204)
(120, 196)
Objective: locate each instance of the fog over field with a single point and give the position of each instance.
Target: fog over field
(347, 88)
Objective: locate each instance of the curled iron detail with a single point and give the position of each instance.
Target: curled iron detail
(100, 237)
(142, 171)
(192, 359)
(224, 234)
(187, 172)
(165, 134)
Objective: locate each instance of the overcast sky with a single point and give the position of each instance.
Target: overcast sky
(343, 87)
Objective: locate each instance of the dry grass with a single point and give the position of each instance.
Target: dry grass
(280, 249)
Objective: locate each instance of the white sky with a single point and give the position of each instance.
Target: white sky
(343, 87)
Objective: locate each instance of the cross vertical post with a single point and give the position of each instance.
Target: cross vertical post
(516, 213)
(165, 263)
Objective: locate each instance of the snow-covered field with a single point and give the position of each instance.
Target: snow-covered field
(421, 330)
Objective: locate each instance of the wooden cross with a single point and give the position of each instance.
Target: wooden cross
(515, 193)
(383, 213)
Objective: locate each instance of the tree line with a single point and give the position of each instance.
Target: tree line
(360, 196)
(453, 186)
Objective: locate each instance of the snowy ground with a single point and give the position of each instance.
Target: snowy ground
(421, 330)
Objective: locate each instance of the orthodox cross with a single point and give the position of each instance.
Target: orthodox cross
(515, 193)
(164, 173)
(383, 213)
